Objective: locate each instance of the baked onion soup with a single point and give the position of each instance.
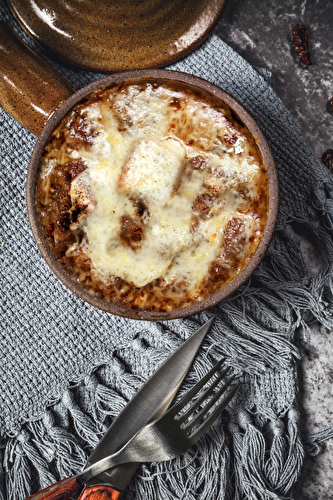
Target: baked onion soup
(152, 194)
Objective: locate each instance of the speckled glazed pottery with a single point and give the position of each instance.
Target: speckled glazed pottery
(30, 89)
(113, 35)
(52, 119)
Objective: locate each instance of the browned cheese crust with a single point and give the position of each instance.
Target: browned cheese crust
(64, 206)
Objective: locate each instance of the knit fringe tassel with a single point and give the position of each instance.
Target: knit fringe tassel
(266, 469)
(236, 459)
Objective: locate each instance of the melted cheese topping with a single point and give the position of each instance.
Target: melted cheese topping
(170, 189)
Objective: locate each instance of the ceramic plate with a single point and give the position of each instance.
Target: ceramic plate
(113, 35)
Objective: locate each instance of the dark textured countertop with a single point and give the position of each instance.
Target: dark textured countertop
(261, 31)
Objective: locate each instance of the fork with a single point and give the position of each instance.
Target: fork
(161, 440)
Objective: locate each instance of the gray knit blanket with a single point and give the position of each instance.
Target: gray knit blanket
(68, 369)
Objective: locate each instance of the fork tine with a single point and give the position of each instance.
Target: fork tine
(194, 390)
(209, 405)
(165, 438)
(202, 398)
(196, 435)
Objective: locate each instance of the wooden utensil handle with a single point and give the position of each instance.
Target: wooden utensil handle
(100, 492)
(30, 89)
(62, 490)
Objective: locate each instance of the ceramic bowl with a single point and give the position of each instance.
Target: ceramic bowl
(119, 309)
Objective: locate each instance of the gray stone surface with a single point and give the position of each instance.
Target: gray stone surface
(261, 32)
(316, 403)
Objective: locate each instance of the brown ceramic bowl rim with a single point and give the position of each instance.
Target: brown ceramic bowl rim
(210, 300)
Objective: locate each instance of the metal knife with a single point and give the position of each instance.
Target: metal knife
(150, 402)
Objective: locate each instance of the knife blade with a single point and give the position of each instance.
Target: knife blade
(149, 403)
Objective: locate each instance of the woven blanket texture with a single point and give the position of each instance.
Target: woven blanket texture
(68, 369)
